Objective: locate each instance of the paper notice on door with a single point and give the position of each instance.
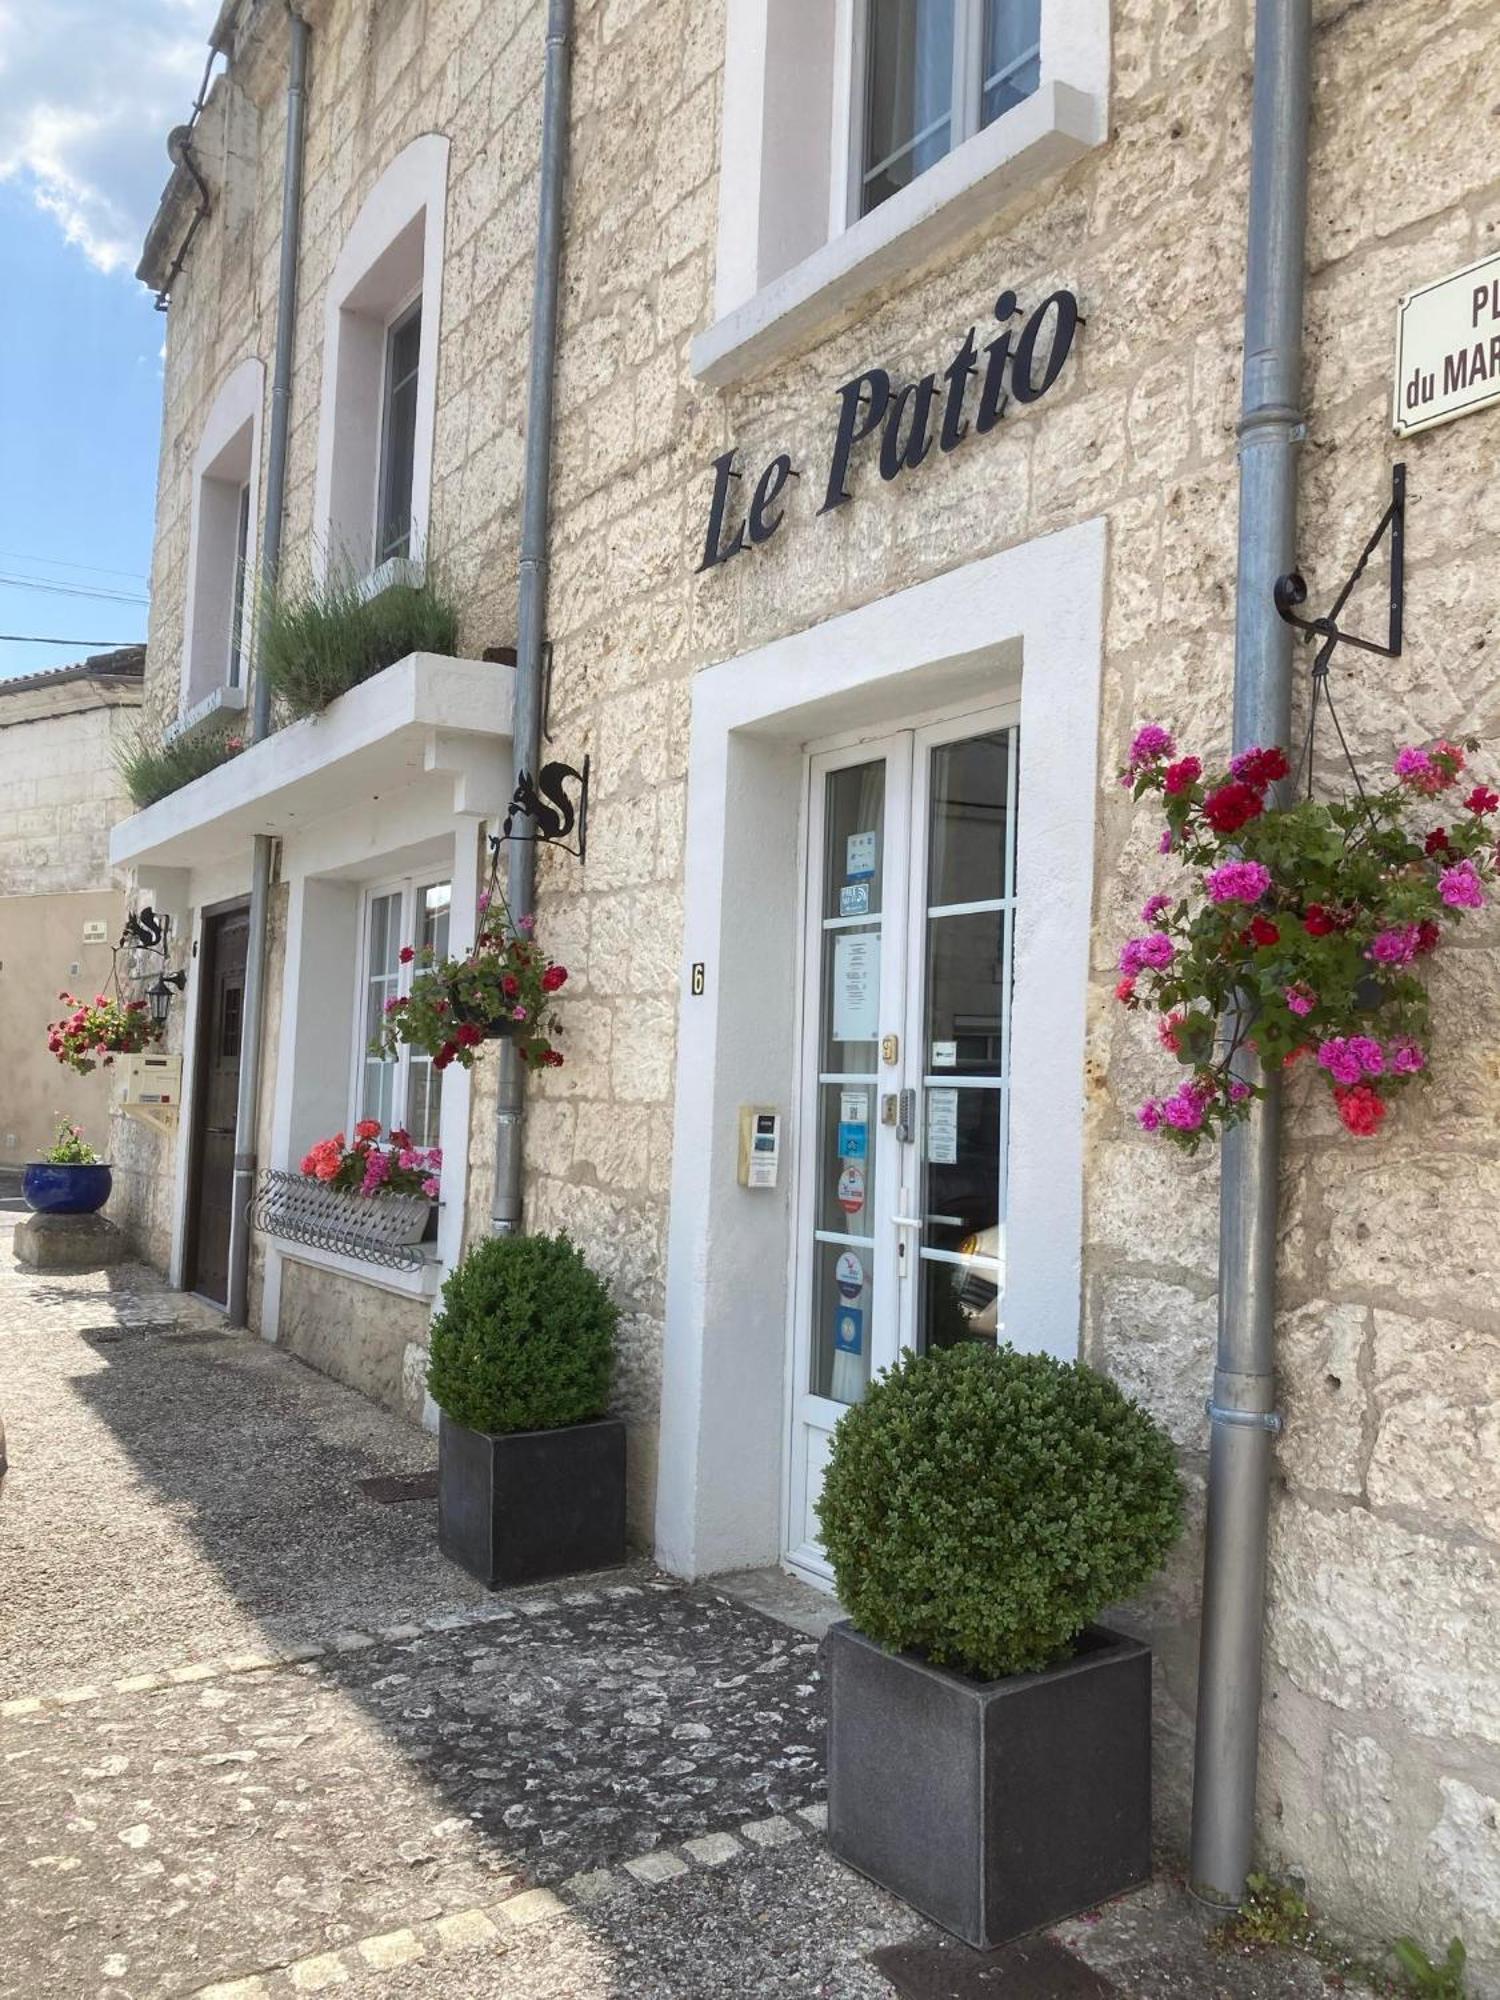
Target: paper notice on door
(859, 856)
(854, 1107)
(942, 1128)
(856, 988)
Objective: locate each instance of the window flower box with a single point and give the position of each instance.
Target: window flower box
(384, 1229)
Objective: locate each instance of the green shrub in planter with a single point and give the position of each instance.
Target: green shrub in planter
(981, 1507)
(525, 1339)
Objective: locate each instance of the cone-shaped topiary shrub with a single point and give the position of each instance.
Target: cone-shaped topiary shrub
(525, 1338)
(982, 1506)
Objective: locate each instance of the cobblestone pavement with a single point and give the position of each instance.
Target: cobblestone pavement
(257, 1739)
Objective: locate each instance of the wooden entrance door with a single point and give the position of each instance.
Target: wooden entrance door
(215, 1096)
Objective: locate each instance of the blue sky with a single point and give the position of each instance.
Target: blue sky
(88, 91)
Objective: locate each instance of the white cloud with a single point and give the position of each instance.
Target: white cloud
(89, 90)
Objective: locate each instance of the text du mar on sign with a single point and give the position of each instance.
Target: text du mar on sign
(1020, 362)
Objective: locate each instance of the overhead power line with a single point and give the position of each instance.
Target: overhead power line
(39, 639)
(56, 562)
(71, 589)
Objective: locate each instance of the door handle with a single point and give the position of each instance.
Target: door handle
(909, 1221)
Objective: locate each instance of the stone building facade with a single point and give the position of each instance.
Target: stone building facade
(61, 905)
(1072, 564)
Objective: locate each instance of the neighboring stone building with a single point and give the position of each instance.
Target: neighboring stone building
(61, 904)
(872, 685)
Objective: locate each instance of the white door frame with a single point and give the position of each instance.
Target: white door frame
(1028, 619)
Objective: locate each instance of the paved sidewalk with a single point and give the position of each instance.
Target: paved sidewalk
(257, 1739)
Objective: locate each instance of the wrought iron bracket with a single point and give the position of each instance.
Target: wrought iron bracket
(1291, 589)
(553, 813)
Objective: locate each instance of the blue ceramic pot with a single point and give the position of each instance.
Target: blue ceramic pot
(65, 1190)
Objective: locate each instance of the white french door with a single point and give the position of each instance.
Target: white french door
(901, 1129)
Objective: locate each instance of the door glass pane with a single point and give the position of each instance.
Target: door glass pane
(851, 901)
(424, 1084)
(382, 974)
(908, 94)
(966, 1012)
(1012, 55)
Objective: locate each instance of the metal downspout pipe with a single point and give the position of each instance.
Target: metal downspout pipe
(1242, 1406)
(526, 727)
(247, 1107)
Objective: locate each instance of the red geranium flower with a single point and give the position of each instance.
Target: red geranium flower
(1180, 775)
(553, 977)
(1429, 936)
(1125, 992)
(1232, 806)
(1261, 767)
(367, 1128)
(1263, 931)
(1361, 1108)
(1437, 842)
(406, 954)
(1482, 800)
(1318, 922)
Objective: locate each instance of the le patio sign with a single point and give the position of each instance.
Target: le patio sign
(1017, 364)
(1448, 348)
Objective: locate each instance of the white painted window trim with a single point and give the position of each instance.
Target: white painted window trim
(1032, 614)
(421, 1283)
(409, 887)
(761, 313)
(240, 401)
(414, 185)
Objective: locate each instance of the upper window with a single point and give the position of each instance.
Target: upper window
(398, 433)
(379, 403)
(936, 72)
(221, 598)
(860, 135)
(404, 1090)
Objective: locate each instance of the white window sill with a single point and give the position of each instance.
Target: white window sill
(419, 1284)
(403, 570)
(1055, 126)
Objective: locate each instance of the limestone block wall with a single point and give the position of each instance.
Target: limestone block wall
(1381, 1767)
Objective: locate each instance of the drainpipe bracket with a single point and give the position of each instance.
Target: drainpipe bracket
(1260, 1420)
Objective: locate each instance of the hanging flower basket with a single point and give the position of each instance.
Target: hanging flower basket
(504, 989)
(1301, 929)
(98, 1030)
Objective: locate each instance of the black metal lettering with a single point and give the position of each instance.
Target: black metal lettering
(1025, 389)
(767, 487)
(712, 551)
(894, 455)
(868, 393)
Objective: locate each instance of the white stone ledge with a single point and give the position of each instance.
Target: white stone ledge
(1042, 136)
(426, 720)
(421, 1283)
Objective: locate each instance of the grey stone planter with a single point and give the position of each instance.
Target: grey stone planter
(532, 1504)
(993, 1807)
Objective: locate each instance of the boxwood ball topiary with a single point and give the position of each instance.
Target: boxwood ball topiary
(525, 1338)
(981, 1506)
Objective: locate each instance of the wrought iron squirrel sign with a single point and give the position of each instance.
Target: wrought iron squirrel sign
(1019, 363)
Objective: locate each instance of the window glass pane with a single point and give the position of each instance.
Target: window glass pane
(1012, 55)
(399, 435)
(424, 1087)
(382, 979)
(237, 604)
(908, 93)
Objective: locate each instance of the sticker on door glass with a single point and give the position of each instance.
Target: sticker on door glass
(854, 1141)
(852, 1189)
(849, 1275)
(942, 1128)
(945, 1055)
(854, 1107)
(856, 988)
(854, 899)
(848, 1330)
(859, 856)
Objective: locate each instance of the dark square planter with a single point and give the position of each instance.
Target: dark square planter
(533, 1504)
(994, 1807)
